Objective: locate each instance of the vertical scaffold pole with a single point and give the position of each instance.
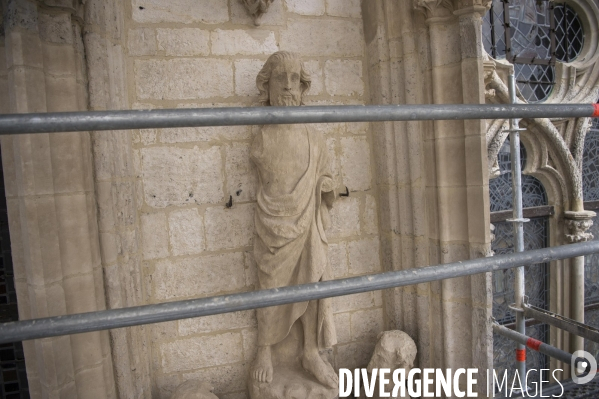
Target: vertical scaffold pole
(518, 223)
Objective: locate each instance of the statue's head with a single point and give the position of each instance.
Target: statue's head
(283, 80)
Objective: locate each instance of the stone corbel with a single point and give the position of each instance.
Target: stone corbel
(577, 226)
(434, 8)
(257, 8)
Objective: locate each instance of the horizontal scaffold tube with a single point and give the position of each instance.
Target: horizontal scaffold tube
(561, 322)
(165, 118)
(536, 345)
(116, 318)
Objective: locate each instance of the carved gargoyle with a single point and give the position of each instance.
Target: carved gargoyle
(257, 8)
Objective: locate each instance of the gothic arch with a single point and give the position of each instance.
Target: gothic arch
(555, 146)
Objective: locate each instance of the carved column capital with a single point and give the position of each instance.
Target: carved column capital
(434, 8)
(577, 226)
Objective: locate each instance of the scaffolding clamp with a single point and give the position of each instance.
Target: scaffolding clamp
(518, 220)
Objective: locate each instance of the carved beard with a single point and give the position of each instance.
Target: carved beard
(287, 100)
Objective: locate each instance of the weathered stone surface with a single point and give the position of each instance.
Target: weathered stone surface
(59, 61)
(334, 162)
(235, 395)
(183, 78)
(370, 225)
(226, 378)
(186, 232)
(315, 70)
(194, 389)
(181, 11)
(237, 41)
(355, 354)
(178, 176)
(213, 350)
(344, 8)
(347, 303)
(345, 218)
(290, 382)
(306, 7)
(148, 136)
(245, 77)
(154, 235)
(344, 77)
(364, 256)
(250, 338)
(355, 163)
(338, 259)
(56, 28)
(241, 175)
(141, 41)
(183, 42)
(211, 133)
(229, 228)
(328, 38)
(366, 324)
(225, 321)
(357, 127)
(251, 270)
(197, 276)
(343, 327)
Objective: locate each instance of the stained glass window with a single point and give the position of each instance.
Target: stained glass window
(538, 34)
(569, 35)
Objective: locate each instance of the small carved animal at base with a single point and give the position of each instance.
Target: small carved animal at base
(394, 350)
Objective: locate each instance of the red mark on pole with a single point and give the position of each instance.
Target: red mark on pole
(533, 344)
(521, 355)
(596, 112)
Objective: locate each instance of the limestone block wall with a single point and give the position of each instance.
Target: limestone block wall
(206, 54)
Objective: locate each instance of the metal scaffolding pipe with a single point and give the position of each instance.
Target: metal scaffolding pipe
(561, 322)
(117, 318)
(518, 224)
(165, 118)
(537, 345)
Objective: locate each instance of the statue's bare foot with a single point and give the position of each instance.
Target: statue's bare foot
(262, 370)
(323, 371)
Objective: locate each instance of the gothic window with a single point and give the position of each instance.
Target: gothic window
(538, 34)
(536, 276)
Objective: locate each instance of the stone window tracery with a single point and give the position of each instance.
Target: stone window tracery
(538, 33)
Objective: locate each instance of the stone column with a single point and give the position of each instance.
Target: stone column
(577, 226)
(460, 183)
(115, 179)
(51, 204)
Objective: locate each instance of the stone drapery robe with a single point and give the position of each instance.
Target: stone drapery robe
(290, 246)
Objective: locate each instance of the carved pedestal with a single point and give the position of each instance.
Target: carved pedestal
(290, 382)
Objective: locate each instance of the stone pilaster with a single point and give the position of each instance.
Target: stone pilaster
(51, 206)
(577, 226)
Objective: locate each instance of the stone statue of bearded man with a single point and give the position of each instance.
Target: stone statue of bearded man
(295, 193)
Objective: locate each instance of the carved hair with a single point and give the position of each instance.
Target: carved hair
(264, 75)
